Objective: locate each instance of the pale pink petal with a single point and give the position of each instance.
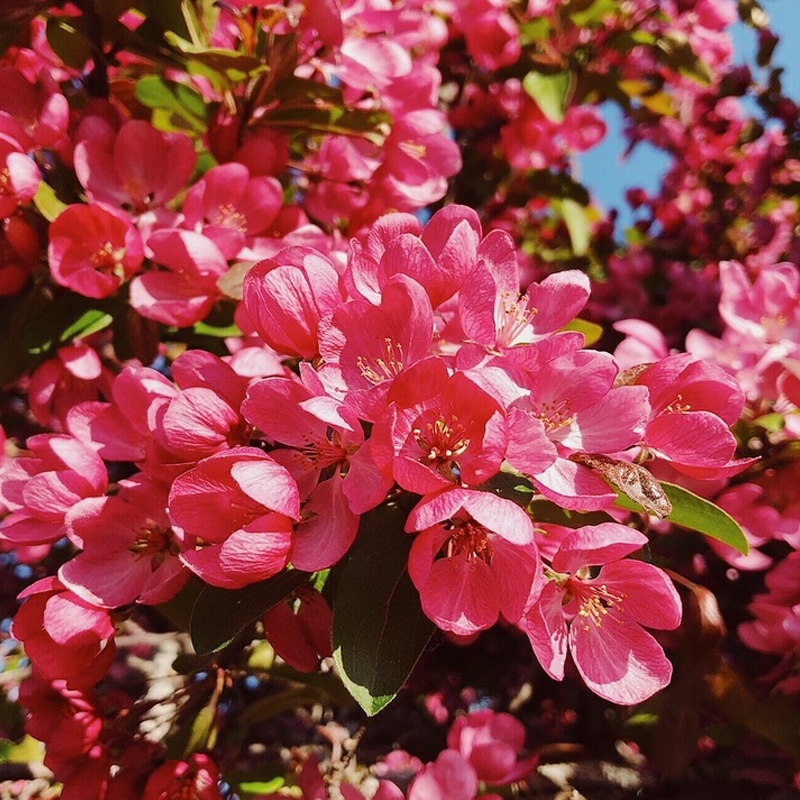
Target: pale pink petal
(649, 596)
(594, 545)
(619, 662)
(547, 631)
(268, 483)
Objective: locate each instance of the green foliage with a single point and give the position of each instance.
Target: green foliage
(698, 514)
(549, 91)
(379, 628)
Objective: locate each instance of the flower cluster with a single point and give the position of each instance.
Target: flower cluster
(300, 373)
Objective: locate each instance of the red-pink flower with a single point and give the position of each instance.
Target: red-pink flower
(289, 296)
(129, 551)
(444, 429)
(185, 292)
(693, 404)
(42, 486)
(451, 776)
(491, 742)
(19, 176)
(370, 345)
(196, 778)
(473, 560)
(242, 506)
(136, 168)
(65, 637)
(599, 617)
(75, 375)
(228, 206)
(92, 250)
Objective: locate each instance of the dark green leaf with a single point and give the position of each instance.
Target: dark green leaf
(379, 628)
(546, 511)
(510, 486)
(694, 512)
(219, 615)
(68, 41)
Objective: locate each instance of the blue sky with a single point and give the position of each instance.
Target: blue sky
(608, 176)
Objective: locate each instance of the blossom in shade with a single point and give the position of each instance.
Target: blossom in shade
(197, 778)
(491, 742)
(65, 637)
(599, 617)
(136, 168)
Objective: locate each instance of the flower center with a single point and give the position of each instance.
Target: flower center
(387, 365)
(556, 414)
(152, 541)
(469, 539)
(595, 602)
(442, 439)
(513, 319)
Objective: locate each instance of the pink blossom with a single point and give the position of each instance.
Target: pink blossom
(494, 313)
(121, 430)
(203, 418)
(491, 743)
(473, 560)
(370, 345)
(599, 619)
(92, 250)
(775, 627)
(19, 176)
(451, 776)
(574, 406)
(325, 439)
(693, 404)
(242, 504)
(129, 551)
(75, 375)
(19, 245)
(288, 297)
(228, 206)
(491, 33)
(45, 484)
(444, 428)
(64, 636)
(197, 777)
(39, 109)
(186, 291)
(136, 168)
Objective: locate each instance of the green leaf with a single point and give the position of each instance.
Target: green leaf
(379, 628)
(592, 332)
(219, 615)
(696, 513)
(180, 107)
(577, 224)
(47, 202)
(595, 13)
(89, 322)
(549, 91)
